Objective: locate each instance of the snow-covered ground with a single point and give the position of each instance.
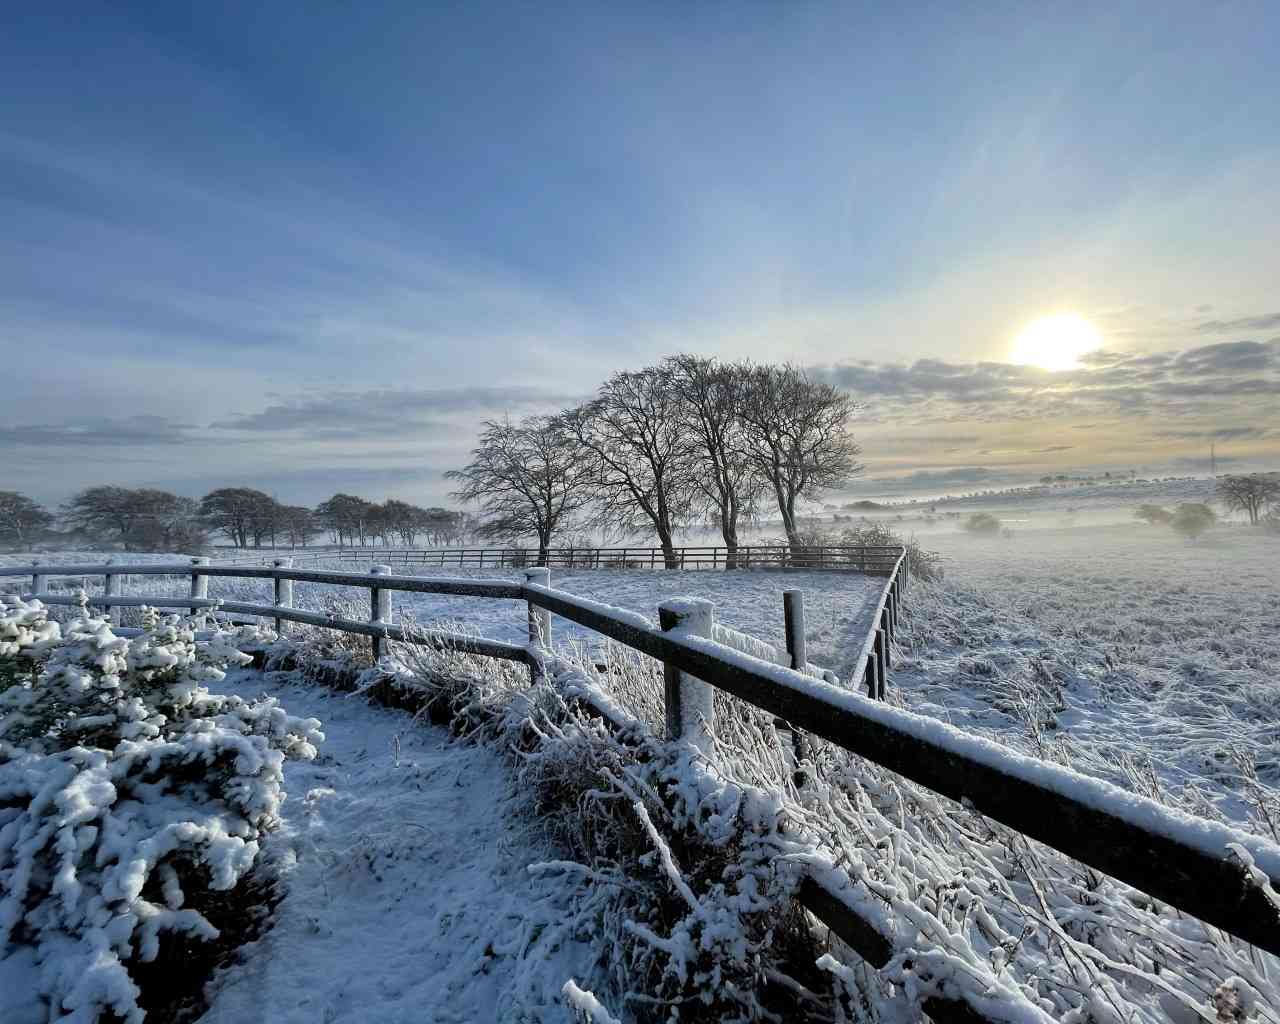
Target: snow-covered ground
(407, 891)
(1125, 650)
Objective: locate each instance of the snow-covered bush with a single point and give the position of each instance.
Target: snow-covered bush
(128, 795)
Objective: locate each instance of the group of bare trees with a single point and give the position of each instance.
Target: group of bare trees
(691, 439)
(353, 521)
(146, 519)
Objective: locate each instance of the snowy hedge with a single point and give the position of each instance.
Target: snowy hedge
(127, 791)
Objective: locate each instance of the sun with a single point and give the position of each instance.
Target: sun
(1055, 342)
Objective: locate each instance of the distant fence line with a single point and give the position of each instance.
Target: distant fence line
(872, 560)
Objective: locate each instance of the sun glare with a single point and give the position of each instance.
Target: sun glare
(1055, 342)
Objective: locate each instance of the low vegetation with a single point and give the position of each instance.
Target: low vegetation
(132, 800)
(982, 524)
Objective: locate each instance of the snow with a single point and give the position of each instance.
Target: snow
(407, 896)
(1125, 652)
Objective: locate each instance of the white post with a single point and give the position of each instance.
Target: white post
(379, 607)
(111, 588)
(38, 580)
(283, 592)
(199, 589)
(539, 622)
(690, 703)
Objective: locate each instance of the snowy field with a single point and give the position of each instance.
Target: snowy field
(838, 605)
(1125, 651)
(408, 896)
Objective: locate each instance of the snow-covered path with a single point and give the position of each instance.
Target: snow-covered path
(407, 897)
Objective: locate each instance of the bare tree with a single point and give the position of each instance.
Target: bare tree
(243, 514)
(1249, 494)
(729, 480)
(530, 479)
(21, 519)
(345, 515)
(136, 518)
(797, 434)
(297, 523)
(639, 456)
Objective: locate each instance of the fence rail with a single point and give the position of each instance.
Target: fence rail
(1202, 867)
(873, 560)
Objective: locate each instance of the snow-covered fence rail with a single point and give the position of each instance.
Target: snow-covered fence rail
(874, 560)
(1221, 875)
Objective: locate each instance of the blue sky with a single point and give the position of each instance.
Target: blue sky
(309, 248)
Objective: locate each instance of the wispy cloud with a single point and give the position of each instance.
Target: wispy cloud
(1266, 322)
(379, 414)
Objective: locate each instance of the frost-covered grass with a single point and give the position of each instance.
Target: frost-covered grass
(132, 800)
(1127, 653)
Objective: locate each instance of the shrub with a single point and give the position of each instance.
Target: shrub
(1153, 514)
(982, 523)
(1271, 522)
(130, 797)
(1192, 519)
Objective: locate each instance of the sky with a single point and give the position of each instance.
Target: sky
(309, 248)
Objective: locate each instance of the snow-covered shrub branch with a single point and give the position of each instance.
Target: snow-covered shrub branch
(128, 793)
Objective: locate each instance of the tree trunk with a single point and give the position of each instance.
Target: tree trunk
(669, 556)
(729, 530)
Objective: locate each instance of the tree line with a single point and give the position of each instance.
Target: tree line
(145, 519)
(689, 440)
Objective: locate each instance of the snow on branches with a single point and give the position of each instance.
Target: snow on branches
(127, 791)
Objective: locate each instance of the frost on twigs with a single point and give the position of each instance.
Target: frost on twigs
(128, 795)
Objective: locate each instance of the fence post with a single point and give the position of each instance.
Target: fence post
(284, 592)
(38, 580)
(199, 590)
(690, 704)
(379, 607)
(111, 588)
(873, 676)
(539, 622)
(882, 654)
(793, 621)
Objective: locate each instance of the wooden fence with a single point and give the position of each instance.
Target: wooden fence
(1204, 868)
(877, 560)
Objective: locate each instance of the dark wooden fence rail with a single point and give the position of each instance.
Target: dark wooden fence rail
(872, 560)
(1193, 864)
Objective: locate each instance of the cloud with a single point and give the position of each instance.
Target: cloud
(1229, 356)
(1246, 323)
(95, 433)
(1218, 434)
(1112, 383)
(350, 415)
